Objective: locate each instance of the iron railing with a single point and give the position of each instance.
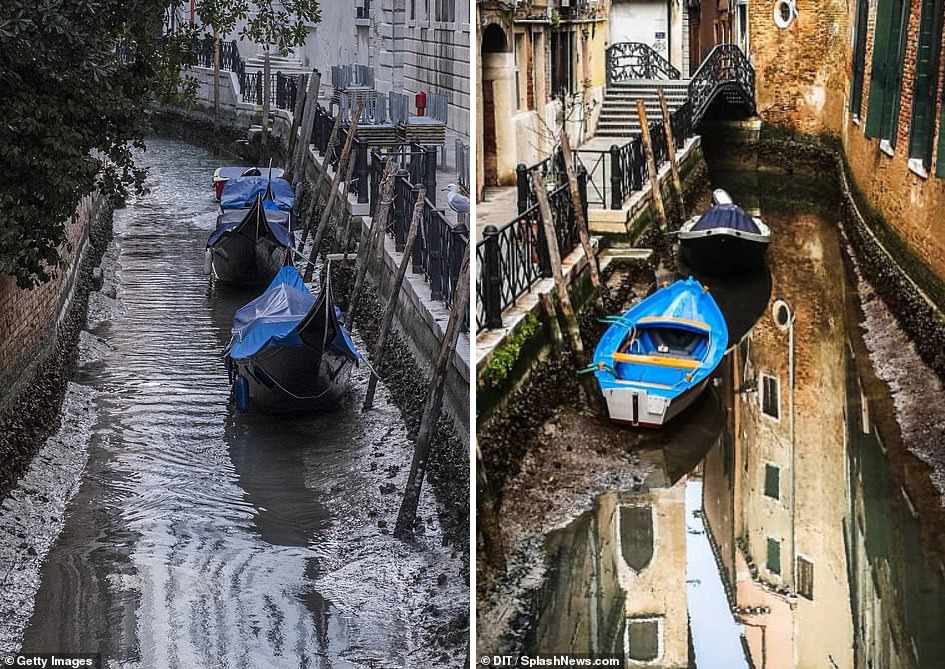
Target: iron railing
(417, 162)
(230, 58)
(462, 165)
(635, 60)
(725, 71)
(511, 259)
(283, 89)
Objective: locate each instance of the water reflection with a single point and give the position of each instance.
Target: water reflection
(811, 535)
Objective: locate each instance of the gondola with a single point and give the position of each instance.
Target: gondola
(250, 245)
(289, 350)
(223, 174)
(724, 240)
(656, 358)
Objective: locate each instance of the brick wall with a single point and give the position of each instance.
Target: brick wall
(28, 317)
(804, 80)
(913, 205)
(801, 71)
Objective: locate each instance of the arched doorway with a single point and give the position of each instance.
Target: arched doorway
(494, 41)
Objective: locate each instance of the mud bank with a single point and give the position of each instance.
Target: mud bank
(31, 412)
(546, 458)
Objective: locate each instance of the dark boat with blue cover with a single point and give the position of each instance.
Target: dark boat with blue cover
(656, 358)
(724, 239)
(290, 350)
(253, 239)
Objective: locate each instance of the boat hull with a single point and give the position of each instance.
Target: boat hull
(722, 253)
(635, 406)
(239, 259)
(286, 379)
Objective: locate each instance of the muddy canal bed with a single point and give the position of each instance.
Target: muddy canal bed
(799, 520)
(197, 537)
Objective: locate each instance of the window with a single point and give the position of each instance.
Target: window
(521, 70)
(805, 577)
(892, 22)
(772, 482)
(859, 56)
(445, 11)
(926, 81)
(643, 639)
(774, 555)
(771, 396)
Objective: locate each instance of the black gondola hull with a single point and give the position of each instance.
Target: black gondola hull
(239, 259)
(284, 379)
(724, 254)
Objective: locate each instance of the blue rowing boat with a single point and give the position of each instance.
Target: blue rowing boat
(656, 358)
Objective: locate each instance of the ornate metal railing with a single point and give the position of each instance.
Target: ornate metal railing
(230, 58)
(511, 259)
(551, 175)
(616, 173)
(635, 60)
(725, 70)
(416, 163)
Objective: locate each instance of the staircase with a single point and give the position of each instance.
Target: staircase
(618, 116)
(285, 64)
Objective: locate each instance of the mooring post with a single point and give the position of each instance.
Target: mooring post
(378, 225)
(433, 404)
(578, 207)
(332, 194)
(652, 168)
(564, 299)
(267, 91)
(671, 149)
(297, 113)
(333, 139)
(492, 275)
(521, 180)
(300, 157)
(487, 517)
(394, 298)
(216, 81)
(551, 318)
(616, 179)
(341, 229)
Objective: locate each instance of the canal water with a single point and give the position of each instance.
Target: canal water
(802, 532)
(204, 538)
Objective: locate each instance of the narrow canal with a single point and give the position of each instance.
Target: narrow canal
(777, 526)
(203, 538)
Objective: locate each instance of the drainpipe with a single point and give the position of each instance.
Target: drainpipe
(784, 318)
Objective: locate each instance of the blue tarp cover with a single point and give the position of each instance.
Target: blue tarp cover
(271, 319)
(241, 192)
(276, 221)
(729, 216)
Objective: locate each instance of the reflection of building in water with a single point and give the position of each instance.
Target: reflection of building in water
(616, 581)
(775, 493)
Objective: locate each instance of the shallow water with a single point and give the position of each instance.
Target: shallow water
(203, 538)
(805, 533)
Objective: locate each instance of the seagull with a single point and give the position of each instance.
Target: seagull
(458, 203)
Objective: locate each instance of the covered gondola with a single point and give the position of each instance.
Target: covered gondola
(289, 350)
(724, 240)
(250, 246)
(223, 174)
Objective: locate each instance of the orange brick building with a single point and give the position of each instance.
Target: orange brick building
(870, 72)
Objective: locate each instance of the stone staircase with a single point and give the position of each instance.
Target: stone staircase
(286, 65)
(618, 116)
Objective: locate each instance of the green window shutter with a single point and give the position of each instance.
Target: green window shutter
(940, 171)
(899, 39)
(774, 556)
(859, 55)
(874, 110)
(772, 482)
(926, 80)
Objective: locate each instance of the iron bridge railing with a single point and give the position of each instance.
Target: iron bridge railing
(725, 71)
(635, 60)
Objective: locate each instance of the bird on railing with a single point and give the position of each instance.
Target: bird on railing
(458, 203)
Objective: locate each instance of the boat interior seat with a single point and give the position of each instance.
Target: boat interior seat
(671, 341)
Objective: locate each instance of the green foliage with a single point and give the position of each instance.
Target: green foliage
(505, 357)
(73, 111)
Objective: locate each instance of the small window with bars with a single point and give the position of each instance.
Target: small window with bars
(642, 639)
(805, 577)
(772, 482)
(771, 396)
(773, 563)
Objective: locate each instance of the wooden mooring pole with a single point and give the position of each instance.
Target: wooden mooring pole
(267, 91)
(487, 515)
(378, 226)
(651, 166)
(333, 192)
(300, 156)
(578, 207)
(394, 298)
(671, 152)
(216, 81)
(297, 114)
(433, 404)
